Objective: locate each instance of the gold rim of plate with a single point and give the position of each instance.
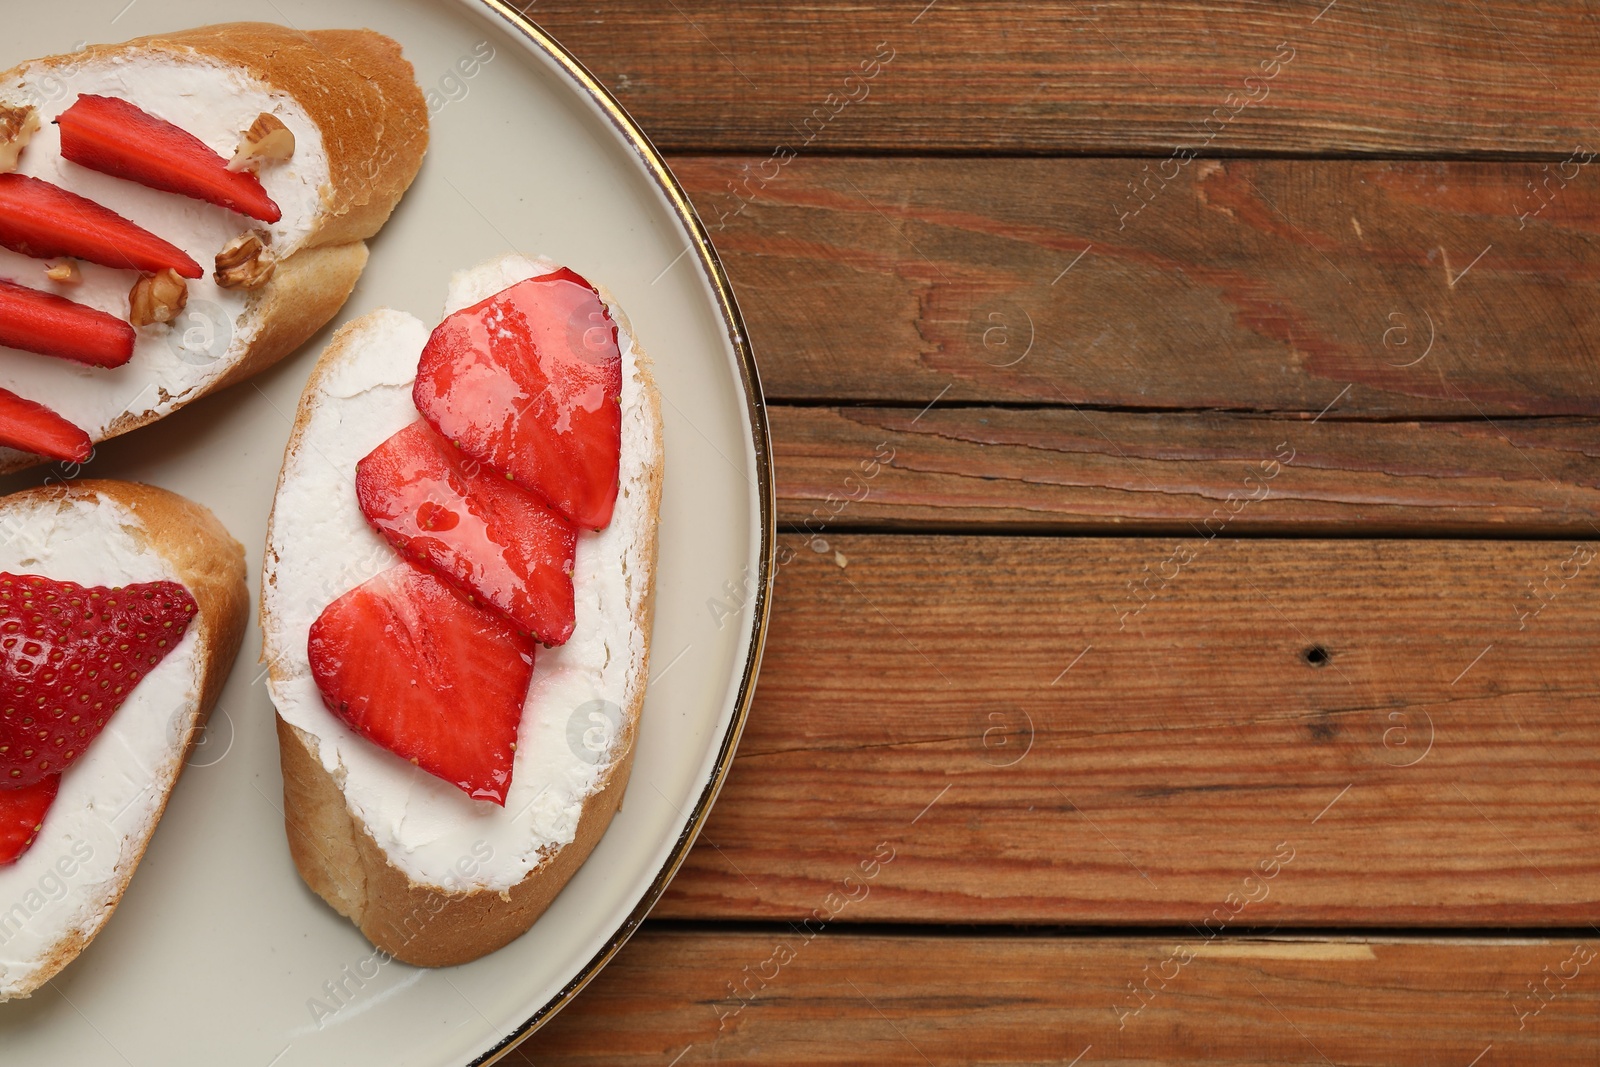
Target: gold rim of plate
(733, 322)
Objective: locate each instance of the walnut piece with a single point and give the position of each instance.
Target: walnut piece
(157, 298)
(64, 271)
(245, 263)
(267, 140)
(17, 127)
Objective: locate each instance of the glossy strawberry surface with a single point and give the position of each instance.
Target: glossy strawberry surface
(411, 666)
(530, 382)
(492, 540)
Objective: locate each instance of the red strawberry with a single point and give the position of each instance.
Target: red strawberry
(415, 669)
(530, 382)
(51, 325)
(69, 656)
(32, 427)
(46, 221)
(22, 816)
(115, 137)
(497, 543)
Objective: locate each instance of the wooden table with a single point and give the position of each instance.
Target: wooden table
(1185, 427)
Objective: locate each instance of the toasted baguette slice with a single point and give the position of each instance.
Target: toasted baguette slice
(361, 129)
(57, 896)
(431, 876)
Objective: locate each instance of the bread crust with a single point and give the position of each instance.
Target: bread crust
(337, 856)
(210, 563)
(307, 290)
(362, 95)
(354, 84)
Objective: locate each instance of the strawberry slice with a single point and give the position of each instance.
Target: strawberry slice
(51, 325)
(32, 427)
(415, 669)
(46, 221)
(22, 816)
(69, 656)
(530, 382)
(498, 544)
(115, 137)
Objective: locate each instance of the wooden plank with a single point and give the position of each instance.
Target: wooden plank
(779, 998)
(1493, 77)
(1379, 289)
(1061, 470)
(1086, 730)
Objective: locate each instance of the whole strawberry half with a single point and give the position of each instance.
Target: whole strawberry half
(489, 538)
(22, 814)
(70, 655)
(415, 669)
(530, 382)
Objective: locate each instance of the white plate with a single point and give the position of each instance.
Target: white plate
(217, 950)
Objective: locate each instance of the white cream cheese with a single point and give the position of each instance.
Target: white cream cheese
(170, 362)
(321, 546)
(67, 882)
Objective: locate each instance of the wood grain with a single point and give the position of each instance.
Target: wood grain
(726, 998)
(1379, 289)
(1063, 470)
(1415, 720)
(1493, 77)
(1119, 322)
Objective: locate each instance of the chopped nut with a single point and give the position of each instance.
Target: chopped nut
(17, 127)
(64, 271)
(157, 298)
(267, 140)
(245, 263)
